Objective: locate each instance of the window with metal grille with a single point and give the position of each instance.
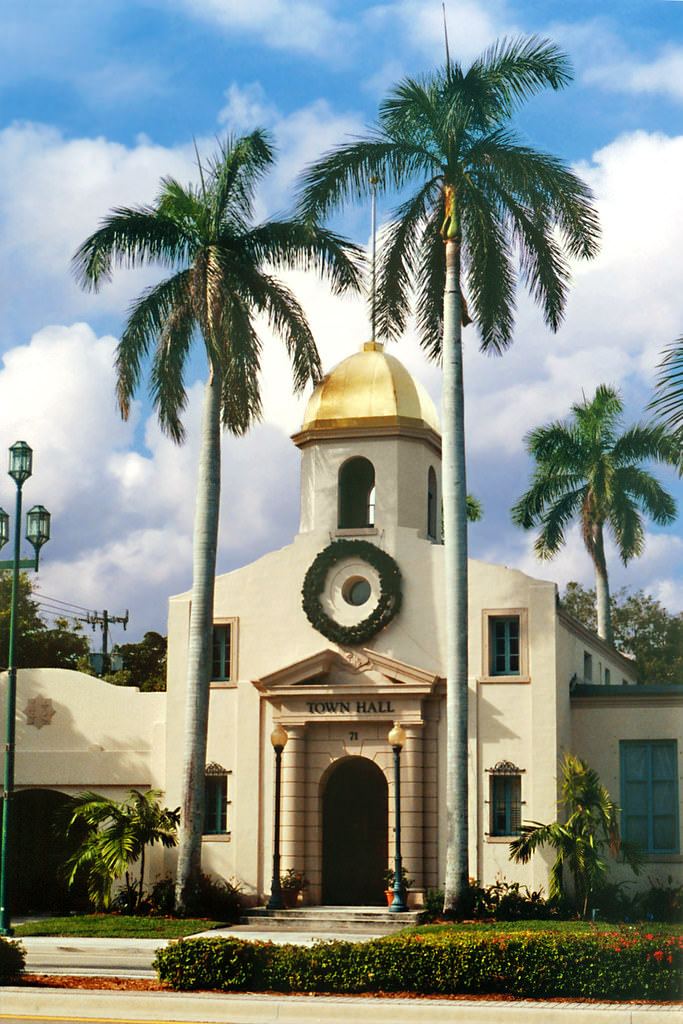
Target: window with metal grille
(649, 794)
(504, 645)
(506, 804)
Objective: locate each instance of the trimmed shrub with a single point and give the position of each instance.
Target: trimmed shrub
(615, 965)
(12, 961)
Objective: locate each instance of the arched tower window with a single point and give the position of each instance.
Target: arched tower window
(356, 494)
(431, 503)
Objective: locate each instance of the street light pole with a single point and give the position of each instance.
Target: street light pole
(37, 532)
(278, 738)
(397, 739)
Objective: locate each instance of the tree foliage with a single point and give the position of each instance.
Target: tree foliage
(587, 470)
(221, 291)
(641, 627)
(479, 211)
(591, 828)
(38, 645)
(667, 403)
(144, 664)
(117, 835)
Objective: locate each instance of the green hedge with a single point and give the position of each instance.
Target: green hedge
(616, 965)
(12, 961)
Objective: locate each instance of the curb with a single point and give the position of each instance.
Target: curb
(213, 1008)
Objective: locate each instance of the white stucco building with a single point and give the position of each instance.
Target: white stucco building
(339, 635)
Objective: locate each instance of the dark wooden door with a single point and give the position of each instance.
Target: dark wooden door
(355, 834)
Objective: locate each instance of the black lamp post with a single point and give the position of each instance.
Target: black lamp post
(278, 738)
(397, 739)
(37, 532)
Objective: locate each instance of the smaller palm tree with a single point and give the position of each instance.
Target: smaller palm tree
(585, 469)
(116, 836)
(668, 401)
(592, 824)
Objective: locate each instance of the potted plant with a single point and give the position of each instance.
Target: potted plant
(291, 884)
(389, 880)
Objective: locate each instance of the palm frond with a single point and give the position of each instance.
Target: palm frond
(236, 355)
(148, 319)
(235, 173)
(349, 172)
(287, 319)
(513, 70)
(429, 279)
(130, 237)
(490, 276)
(667, 404)
(304, 245)
(399, 251)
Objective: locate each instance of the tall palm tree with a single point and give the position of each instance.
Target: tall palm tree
(668, 401)
(116, 837)
(592, 823)
(585, 469)
(220, 282)
(482, 201)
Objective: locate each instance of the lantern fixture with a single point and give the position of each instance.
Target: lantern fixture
(20, 462)
(38, 528)
(4, 527)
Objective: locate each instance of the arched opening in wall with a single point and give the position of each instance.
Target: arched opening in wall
(431, 504)
(356, 494)
(38, 851)
(355, 834)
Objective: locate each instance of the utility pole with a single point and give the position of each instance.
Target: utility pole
(104, 620)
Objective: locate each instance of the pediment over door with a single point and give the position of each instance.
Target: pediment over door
(352, 682)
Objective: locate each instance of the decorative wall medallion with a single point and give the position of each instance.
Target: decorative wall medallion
(39, 711)
(352, 590)
(354, 659)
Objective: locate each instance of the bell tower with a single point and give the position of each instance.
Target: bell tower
(371, 451)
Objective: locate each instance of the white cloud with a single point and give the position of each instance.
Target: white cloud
(55, 193)
(295, 25)
(662, 76)
(122, 520)
(471, 26)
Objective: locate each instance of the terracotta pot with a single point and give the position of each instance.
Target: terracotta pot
(389, 893)
(290, 897)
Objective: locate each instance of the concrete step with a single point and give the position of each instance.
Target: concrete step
(333, 920)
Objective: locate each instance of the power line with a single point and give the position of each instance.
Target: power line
(58, 600)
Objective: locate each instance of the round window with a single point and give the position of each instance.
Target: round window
(356, 591)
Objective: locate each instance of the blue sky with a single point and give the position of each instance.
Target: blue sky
(99, 101)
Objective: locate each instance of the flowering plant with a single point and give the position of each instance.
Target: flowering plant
(293, 880)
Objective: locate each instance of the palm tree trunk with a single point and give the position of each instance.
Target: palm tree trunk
(142, 876)
(602, 587)
(199, 650)
(455, 577)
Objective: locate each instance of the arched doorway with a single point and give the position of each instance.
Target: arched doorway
(355, 833)
(38, 851)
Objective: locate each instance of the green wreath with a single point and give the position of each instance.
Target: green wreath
(389, 598)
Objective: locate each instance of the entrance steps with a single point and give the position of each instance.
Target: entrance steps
(332, 920)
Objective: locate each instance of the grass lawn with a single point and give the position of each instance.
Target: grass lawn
(566, 927)
(117, 926)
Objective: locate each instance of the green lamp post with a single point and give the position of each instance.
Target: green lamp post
(397, 739)
(278, 738)
(37, 532)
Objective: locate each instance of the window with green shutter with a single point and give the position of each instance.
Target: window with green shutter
(504, 645)
(649, 794)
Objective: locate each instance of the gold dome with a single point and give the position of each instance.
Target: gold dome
(369, 389)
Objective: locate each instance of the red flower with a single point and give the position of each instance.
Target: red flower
(659, 955)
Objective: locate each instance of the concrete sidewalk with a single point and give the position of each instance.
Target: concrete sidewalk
(212, 1008)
